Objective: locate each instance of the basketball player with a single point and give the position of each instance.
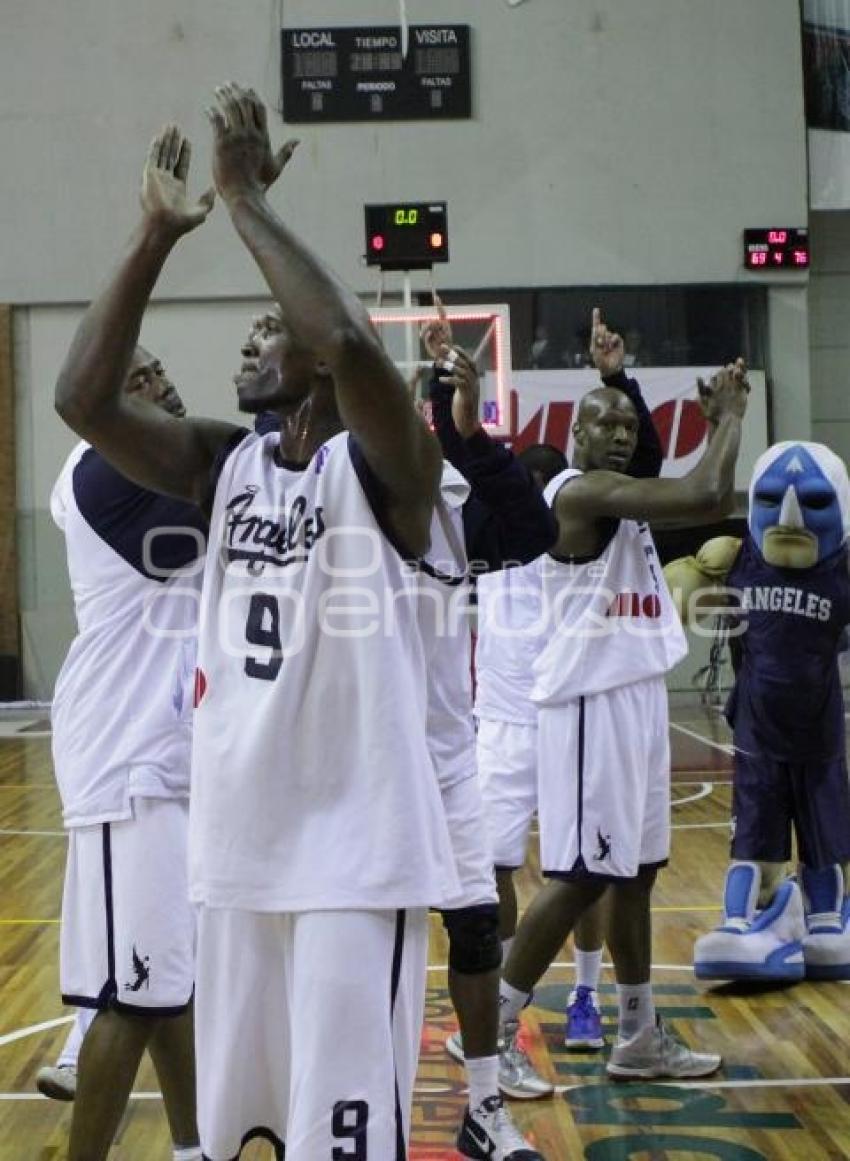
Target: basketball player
(121, 752)
(504, 513)
(509, 609)
(603, 750)
(317, 836)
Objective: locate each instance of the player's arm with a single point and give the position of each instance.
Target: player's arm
(142, 441)
(702, 496)
(372, 397)
(608, 352)
(506, 520)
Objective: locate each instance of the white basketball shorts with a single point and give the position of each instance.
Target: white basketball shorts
(604, 783)
(507, 769)
(307, 1027)
(128, 929)
(470, 844)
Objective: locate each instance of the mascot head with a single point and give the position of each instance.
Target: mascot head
(799, 504)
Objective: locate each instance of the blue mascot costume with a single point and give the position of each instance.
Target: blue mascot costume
(789, 591)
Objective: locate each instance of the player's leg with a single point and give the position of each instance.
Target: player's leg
(507, 771)
(763, 924)
(472, 924)
(148, 929)
(584, 1017)
(172, 971)
(568, 892)
(357, 1005)
(822, 822)
(172, 1050)
(242, 1028)
(108, 1063)
(645, 1047)
(59, 1081)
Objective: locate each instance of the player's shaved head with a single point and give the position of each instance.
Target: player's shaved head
(600, 400)
(605, 430)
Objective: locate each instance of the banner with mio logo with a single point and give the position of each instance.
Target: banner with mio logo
(541, 408)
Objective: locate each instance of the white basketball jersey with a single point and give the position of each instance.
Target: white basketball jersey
(609, 621)
(444, 623)
(312, 786)
(509, 627)
(122, 703)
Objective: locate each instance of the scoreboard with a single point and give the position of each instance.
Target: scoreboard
(776, 249)
(360, 74)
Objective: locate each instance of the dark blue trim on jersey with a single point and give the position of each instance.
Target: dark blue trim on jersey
(261, 1133)
(126, 517)
(221, 456)
(377, 498)
(395, 977)
(442, 577)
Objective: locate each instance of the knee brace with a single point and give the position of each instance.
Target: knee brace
(474, 944)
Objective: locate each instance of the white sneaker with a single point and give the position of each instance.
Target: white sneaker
(489, 1134)
(518, 1077)
(59, 1082)
(656, 1051)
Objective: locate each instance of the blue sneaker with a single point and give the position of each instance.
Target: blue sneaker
(584, 1020)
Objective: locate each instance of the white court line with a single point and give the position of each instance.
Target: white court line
(705, 788)
(724, 749)
(698, 825)
(11, 1037)
(51, 833)
(782, 1082)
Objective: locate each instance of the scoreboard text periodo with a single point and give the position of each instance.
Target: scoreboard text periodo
(360, 74)
(776, 249)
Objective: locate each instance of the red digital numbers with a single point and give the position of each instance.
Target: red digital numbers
(801, 257)
(758, 258)
(777, 237)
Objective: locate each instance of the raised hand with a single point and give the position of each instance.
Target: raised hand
(164, 195)
(243, 159)
(458, 370)
(725, 393)
(606, 348)
(436, 333)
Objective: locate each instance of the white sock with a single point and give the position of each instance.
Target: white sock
(71, 1049)
(588, 968)
(637, 1009)
(193, 1153)
(511, 1002)
(482, 1074)
(507, 944)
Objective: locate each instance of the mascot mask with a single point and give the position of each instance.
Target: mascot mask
(799, 504)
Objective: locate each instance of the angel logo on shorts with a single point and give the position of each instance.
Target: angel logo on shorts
(604, 841)
(141, 968)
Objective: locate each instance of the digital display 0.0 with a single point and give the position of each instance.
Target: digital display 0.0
(776, 248)
(409, 236)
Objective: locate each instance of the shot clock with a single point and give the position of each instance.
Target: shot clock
(776, 249)
(406, 235)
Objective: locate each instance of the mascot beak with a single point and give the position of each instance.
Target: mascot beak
(790, 515)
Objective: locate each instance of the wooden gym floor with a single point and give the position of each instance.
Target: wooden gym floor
(784, 1092)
